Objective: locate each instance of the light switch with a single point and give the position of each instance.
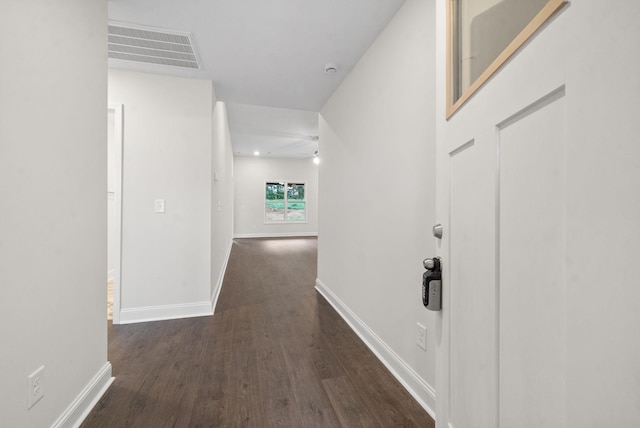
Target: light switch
(159, 206)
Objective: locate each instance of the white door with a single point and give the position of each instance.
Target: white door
(540, 318)
(506, 268)
(502, 176)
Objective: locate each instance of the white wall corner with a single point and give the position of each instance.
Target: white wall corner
(218, 287)
(79, 409)
(419, 389)
(165, 312)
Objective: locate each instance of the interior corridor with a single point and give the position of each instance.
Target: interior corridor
(274, 354)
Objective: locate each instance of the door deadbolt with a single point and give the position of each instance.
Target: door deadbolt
(432, 284)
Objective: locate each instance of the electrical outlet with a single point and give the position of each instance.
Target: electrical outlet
(158, 206)
(35, 387)
(421, 336)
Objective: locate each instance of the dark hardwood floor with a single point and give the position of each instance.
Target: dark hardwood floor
(275, 354)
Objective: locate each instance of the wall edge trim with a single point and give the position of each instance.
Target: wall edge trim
(165, 312)
(82, 405)
(218, 287)
(419, 389)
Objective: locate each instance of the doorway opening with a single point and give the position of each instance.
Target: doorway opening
(114, 210)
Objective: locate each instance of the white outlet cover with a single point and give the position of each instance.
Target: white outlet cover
(159, 206)
(35, 387)
(421, 336)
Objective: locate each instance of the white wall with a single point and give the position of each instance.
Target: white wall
(251, 173)
(377, 194)
(222, 197)
(53, 221)
(167, 154)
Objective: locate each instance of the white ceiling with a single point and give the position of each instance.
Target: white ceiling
(272, 131)
(266, 58)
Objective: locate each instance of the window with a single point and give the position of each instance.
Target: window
(285, 202)
(482, 35)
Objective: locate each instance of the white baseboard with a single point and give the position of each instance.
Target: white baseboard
(216, 291)
(165, 312)
(424, 393)
(86, 400)
(275, 235)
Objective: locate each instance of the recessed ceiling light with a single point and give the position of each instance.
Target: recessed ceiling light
(256, 153)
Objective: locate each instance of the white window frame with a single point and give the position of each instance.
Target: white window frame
(286, 200)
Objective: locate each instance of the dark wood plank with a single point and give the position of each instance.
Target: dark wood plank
(275, 354)
(348, 404)
(315, 407)
(324, 359)
(209, 404)
(389, 402)
(243, 403)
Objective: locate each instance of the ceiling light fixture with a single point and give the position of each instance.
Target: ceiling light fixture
(330, 68)
(256, 153)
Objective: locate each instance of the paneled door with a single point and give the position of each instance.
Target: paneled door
(501, 197)
(505, 296)
(537, 192)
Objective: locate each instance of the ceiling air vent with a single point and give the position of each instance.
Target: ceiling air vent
(151, 45)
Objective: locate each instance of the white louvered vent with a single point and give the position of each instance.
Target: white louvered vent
(151, 45)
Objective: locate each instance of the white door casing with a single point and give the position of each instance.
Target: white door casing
(114, 194)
